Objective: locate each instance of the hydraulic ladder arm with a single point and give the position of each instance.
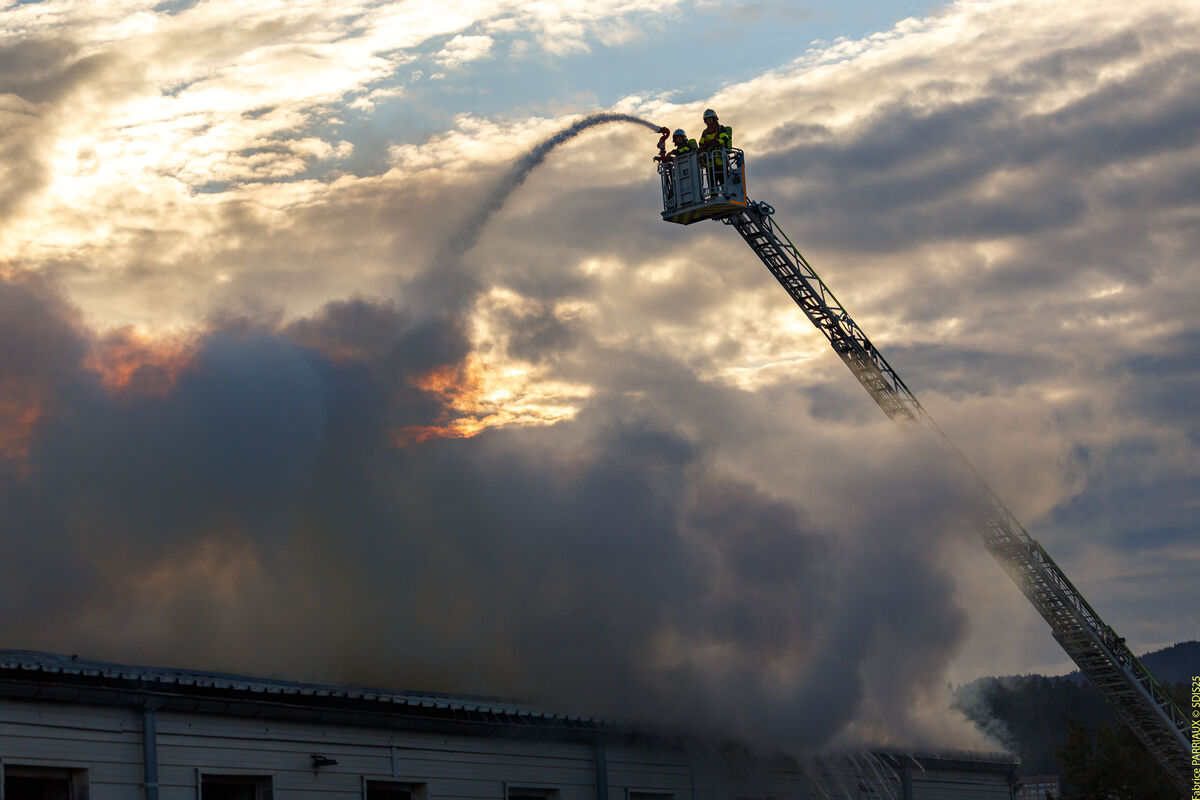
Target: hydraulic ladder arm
(1101, 655)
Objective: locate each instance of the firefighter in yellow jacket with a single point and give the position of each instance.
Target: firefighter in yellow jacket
(683, 146)
(715, 139)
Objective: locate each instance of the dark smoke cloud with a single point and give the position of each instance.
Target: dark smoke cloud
(256, 516)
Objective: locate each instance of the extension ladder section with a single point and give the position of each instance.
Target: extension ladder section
(1100, 654)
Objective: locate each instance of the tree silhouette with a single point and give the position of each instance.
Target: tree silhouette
(1115, 767)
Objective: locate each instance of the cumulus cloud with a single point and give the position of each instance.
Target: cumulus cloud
(463, 49)
(117, 121)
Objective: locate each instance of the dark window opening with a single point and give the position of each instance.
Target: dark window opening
(44, 783)
(18, 788)
(235, 787)
(529, 793)
(394, 790)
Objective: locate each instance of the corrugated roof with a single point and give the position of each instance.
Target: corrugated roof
(14, 663)
(32, 674)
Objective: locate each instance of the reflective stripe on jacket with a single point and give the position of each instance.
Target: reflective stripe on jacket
(721, 137)
(683, 149)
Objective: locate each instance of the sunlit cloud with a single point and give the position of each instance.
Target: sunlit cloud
(476, 398)
(494, 388)
(163, 117)
(463, 49)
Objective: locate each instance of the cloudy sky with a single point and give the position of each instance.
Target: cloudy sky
(262, 410)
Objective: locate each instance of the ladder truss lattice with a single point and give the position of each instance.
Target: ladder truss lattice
(1101, 655)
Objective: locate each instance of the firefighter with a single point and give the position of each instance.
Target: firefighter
(715, 139)
(683, 146)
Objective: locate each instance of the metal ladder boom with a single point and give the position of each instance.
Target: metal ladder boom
(1139, 701)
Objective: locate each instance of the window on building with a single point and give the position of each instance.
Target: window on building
(394, 790)
(650, 795)
(44, 783)
(529, 793)
(234, 787)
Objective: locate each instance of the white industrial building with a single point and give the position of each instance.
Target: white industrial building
(73, 729)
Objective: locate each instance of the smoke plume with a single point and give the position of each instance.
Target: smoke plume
(241, 504)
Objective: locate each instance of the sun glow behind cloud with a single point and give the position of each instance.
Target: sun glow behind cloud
(492, 388)
(146, 120)
(478, 396)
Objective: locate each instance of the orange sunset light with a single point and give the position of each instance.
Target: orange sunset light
(480, 394)
(128, 361)
(20, 410)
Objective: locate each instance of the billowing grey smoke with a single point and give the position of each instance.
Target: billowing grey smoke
(255, 510)
(446, 283)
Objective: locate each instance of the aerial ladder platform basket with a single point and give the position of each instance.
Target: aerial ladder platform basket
(703, 184)
(712, 185)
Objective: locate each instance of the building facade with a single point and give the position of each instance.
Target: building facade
(74, 729)
(1038, 787)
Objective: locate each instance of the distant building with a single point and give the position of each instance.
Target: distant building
(1038, 787)
(72, 729)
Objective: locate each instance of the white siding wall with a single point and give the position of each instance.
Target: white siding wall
(451, 767)
(108, 743)
(951, 785)
(648, 771)
(105, 741)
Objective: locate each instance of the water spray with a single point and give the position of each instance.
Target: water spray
(472, 227)
(447, 286)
